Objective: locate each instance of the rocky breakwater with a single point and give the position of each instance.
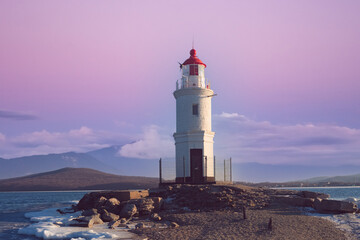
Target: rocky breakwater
(212, 197)
(116, 208)
(319, 201)
(123, 208)
(141, 209)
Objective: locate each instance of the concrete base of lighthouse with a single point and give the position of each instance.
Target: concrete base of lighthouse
(195, 159)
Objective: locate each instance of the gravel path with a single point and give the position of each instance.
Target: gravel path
(288, 223)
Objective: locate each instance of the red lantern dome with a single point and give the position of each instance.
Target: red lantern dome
(193, 59)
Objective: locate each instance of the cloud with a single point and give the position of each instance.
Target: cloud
(247, 140)
(43, 142)
(16, 115)
(2, 137)
(153, 144)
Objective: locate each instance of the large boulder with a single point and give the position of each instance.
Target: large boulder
(334, 206)
(158, 203)
(114, 224)
(128, 210)
(145, 206)
(112, 205)
(100, 202)
(108, 216)
(87, 221)
(94, 199)
(308, 194)
(89, 212)
(295, 201)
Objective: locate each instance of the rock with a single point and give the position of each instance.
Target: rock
(65, 210)
(144, 206)
(87, 202)
(139, 225)
(112, 205)
(174, 225)
(308, 194)
(155, 217)
(100, 202)
(158, 203)
(128, 211)
(89, 212)
(295, 201)
(334, 206)
(317, 203)
(109, 217)
(87, 221)
(351, 199)
(114, 224)
(90, 200)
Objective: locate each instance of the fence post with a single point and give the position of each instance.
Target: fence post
(224, 171)
(230, 170)
(184, 169)
(214, 169)
(205, 158)
(160, 175)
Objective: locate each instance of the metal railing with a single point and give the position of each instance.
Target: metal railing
(222, 170)
(185, 83)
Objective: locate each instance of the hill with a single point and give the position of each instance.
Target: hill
(76, 179)
(104, 159)
(22, 166)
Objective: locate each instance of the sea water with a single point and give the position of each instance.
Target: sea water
(30, 215)
(349, 222)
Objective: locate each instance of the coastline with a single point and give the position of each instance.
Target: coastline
(288, 223)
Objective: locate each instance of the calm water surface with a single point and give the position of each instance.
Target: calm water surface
(13, 206)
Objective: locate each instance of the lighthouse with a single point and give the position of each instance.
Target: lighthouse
(194, 139)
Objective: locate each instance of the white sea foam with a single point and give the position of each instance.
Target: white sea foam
(349, 222)
(73, 202)
(47, 226)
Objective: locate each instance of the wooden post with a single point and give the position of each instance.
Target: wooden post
(160, 174)
(270, 227)
(224, 171)
(184, 169)
(244, 212)
(230, 170)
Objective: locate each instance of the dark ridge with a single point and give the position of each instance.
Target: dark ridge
(76, 179)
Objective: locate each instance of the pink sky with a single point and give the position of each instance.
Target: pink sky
(111, 66)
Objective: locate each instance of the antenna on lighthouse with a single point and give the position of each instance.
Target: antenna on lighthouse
(193, 41)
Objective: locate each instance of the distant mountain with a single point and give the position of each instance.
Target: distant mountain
(257, 172)
(124, 165)
(76, 179)
(354, 178)
(22, 166)
(108, 160)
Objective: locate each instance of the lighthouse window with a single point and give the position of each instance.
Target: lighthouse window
(194, 70)
(195, 109)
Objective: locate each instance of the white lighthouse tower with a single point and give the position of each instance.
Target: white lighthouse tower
(194, 138)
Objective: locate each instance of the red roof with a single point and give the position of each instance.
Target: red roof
(193, 59)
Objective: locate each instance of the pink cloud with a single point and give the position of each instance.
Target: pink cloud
(44, 142)
(153, 144)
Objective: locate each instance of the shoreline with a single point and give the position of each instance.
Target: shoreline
(228, 223)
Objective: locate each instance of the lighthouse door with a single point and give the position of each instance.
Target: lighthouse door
(196, 165)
